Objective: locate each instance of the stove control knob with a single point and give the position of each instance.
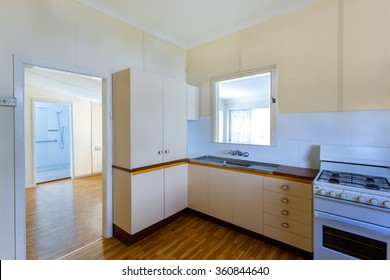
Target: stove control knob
(332, 194)
(361, 199)
(374, 201)
(343, 195)
(322, 192)
(386, 204)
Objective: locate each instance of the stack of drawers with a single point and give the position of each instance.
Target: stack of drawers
(288, 212)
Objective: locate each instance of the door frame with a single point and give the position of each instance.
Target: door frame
(20, 188)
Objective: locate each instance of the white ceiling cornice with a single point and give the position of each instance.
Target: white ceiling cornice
(189, 23)
(128, 19)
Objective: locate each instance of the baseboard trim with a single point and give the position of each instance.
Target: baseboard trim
(129, 239)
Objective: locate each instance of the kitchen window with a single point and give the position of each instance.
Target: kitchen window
(244, 107)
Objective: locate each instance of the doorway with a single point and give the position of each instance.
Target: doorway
(53, 140)
(20, 63)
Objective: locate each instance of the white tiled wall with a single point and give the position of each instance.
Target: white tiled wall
(299, 136)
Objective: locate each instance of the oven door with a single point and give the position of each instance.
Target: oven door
(340, 238)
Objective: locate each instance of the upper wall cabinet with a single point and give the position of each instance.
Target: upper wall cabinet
(150, 115)
(304, 46)
(192, 103)
(366, 55)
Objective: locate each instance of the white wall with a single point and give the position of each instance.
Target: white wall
(67, 33)
(298, 136)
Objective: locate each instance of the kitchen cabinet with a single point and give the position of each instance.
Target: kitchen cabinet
(248, 201)
(288, 212)
(221, 184)
(193, 109)
(278, 208)
(366, 46)
(149, 125)
(175, 120)
(230, 196)
(198, 188)
(146, 197)
(176, 189)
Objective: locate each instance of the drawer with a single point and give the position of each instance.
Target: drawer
(286, 212)
(288, 200)
(289, 238)
(288, 225)
(288, 187)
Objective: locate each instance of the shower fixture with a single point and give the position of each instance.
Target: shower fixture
(61, 130)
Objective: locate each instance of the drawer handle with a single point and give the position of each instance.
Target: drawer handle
(284, 200)
(160, 152)
(285, 213)
(285, 187)
(285, 225)
(166, 151)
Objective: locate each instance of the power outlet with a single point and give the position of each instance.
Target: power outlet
(7, 101)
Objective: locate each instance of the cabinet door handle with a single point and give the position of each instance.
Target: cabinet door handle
(166, 151)
(160, 152)
(285, 213)
(285, 225)
(285, 187)
(285, 200)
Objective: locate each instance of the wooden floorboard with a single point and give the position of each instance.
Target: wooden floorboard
(63, 216)
(188, 238)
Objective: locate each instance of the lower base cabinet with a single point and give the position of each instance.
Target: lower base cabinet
(279, 209)
(144, 198)
(230, 196)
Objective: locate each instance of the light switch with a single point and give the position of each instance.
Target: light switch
(7, 101)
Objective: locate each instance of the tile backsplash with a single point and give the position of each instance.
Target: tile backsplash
(299, 136)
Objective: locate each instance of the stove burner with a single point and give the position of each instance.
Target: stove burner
(369, 179)
(335, 175)
(372, 187)
(334, 180)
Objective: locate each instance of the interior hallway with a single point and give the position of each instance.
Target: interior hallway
(63, 216)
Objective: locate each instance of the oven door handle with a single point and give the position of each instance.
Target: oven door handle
(358, 227)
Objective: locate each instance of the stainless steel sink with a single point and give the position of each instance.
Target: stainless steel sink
(238, 163)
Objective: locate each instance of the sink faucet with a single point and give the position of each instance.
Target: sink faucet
(239, 153)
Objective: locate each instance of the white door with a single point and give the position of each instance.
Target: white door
(175, 120)
(175, 189)
(146, 114)
(147, 199)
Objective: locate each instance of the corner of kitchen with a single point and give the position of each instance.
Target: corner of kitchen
(267, 139)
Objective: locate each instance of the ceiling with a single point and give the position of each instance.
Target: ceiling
(188, 23)
(66, 83)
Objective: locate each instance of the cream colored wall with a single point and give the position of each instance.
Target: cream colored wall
(304, 46)
(86, 126)
(68, 33)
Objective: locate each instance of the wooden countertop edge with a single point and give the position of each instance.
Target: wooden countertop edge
(152, 167)
(298, 174)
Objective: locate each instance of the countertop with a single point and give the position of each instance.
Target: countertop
(306, 175)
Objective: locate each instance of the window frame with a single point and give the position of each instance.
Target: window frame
(216, 110)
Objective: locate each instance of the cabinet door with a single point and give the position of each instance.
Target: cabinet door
(175, 120)
(248, 201)
(147, 199)
(198, 188)
(192, 103)
(221, 184)
(146, 115)
(176, 181)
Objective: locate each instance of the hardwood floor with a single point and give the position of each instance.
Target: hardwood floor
(63, 216)
(188, 238)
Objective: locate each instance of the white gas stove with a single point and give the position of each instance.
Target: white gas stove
(352, 203)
